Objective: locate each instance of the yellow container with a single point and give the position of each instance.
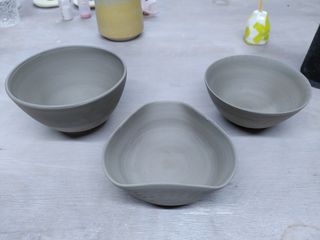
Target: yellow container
(119, 20)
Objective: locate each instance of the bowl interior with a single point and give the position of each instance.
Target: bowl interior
(258, 84)
(65, 76)
(169, 143)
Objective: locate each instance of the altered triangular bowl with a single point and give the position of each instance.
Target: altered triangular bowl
(167, 153)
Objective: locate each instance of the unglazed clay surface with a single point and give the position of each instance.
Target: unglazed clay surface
(71, 89)
(256, 92)
(53, 186)
(169, 143)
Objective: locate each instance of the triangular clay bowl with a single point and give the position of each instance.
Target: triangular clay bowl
(168, 154)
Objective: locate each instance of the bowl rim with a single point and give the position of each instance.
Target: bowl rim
(129, 186)
(62, 106)
(280, 113)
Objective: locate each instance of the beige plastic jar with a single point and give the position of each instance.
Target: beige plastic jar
(119, 20)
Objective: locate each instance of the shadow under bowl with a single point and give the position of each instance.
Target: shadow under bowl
(168, 154)
(256, 92)
(70, 89)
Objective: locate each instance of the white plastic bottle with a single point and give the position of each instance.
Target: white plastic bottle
(66, 10)
(84, 8)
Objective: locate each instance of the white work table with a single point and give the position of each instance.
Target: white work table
(52, 186)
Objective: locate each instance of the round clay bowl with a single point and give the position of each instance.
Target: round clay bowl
(256, 92)
(71, 89)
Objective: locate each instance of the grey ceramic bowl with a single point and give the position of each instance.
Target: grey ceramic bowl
(71, 89)
(168, 154)
(256, 92)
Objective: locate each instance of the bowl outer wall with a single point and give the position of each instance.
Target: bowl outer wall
(80, 118)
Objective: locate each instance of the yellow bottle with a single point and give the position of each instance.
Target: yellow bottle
(119, 20)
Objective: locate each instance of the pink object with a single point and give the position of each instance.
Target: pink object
(85, 16)
(149, 7)
(84, 9)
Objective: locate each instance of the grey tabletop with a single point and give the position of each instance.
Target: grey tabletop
(52, 186)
